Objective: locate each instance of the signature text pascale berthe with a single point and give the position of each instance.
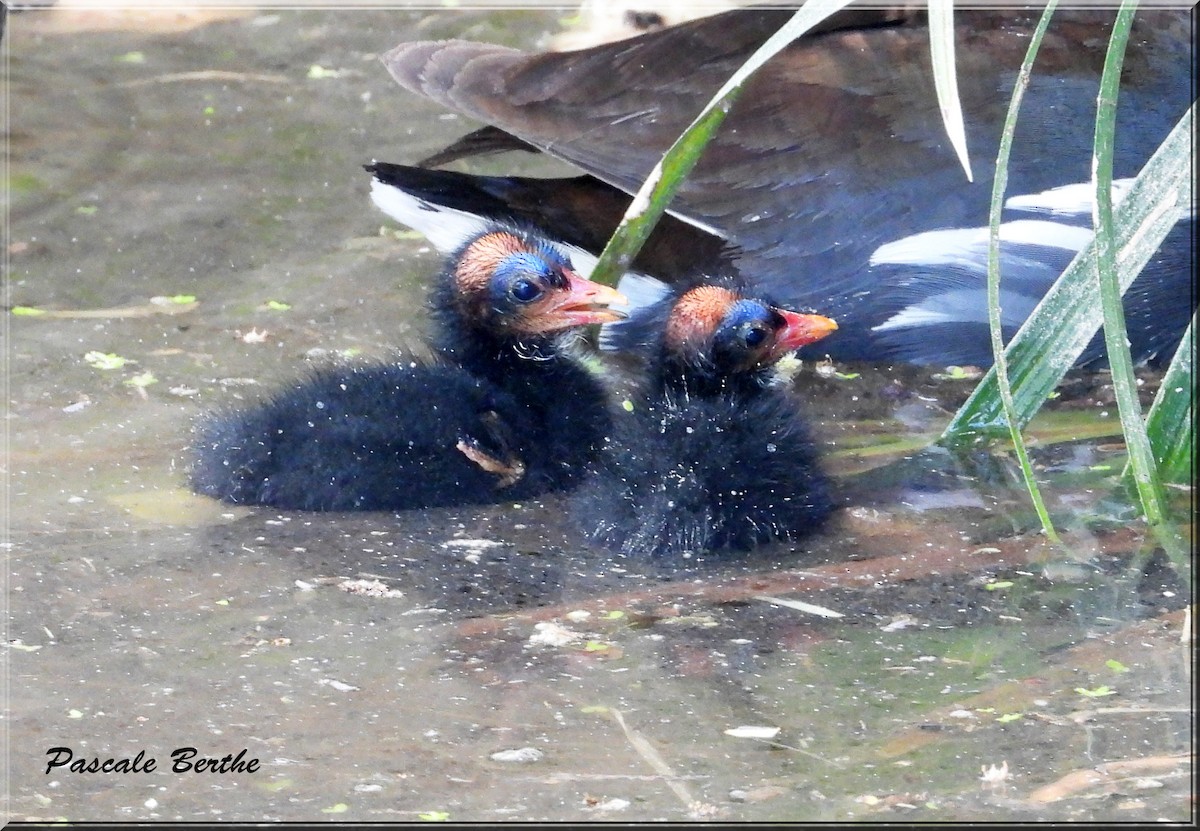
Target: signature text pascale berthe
(183, 760)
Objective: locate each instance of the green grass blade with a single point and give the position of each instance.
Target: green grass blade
(1141, 457)
(652, 198)
(1059, 329)
(999, 184)
(655, 194)
(1169, 423)
(945, 77)
(1120, 363)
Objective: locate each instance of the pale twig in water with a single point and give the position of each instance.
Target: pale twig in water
(206, 75)
(1109, 774)
(656, 761)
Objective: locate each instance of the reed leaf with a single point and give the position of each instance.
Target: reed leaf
(1058, 330)
(999, 185)
(652, 198)
(1169, 422)
(945, 78)
(1141, 458)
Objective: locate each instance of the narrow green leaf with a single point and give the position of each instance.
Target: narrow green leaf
(945, 77)
(1059, 329)
(651, 200)
(1141, 458)
(656, 193)
(1169, 422)
(999, 185)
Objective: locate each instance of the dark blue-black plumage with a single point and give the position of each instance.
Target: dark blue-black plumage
(502, 412)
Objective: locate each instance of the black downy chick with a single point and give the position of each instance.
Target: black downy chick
(712, 454)
(504, 412)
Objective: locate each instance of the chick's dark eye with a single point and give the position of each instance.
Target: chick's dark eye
(524, 290)
(754, 337)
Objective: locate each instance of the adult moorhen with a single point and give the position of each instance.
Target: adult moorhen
(503, 412)
(833, 164)
(711, 454)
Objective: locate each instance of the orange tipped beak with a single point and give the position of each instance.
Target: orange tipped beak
(803, 329)
(581, 303)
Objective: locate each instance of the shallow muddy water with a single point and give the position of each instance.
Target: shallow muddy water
(485, 664)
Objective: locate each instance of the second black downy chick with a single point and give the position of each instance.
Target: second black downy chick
(504, 411)
(710, 454)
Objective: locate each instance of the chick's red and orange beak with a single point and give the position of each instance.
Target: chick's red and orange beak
(801, 330)
(582, 302)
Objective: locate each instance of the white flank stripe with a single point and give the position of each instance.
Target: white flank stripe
(1041, 232)
(967, 247)
(958, 306)
(1068, 200)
